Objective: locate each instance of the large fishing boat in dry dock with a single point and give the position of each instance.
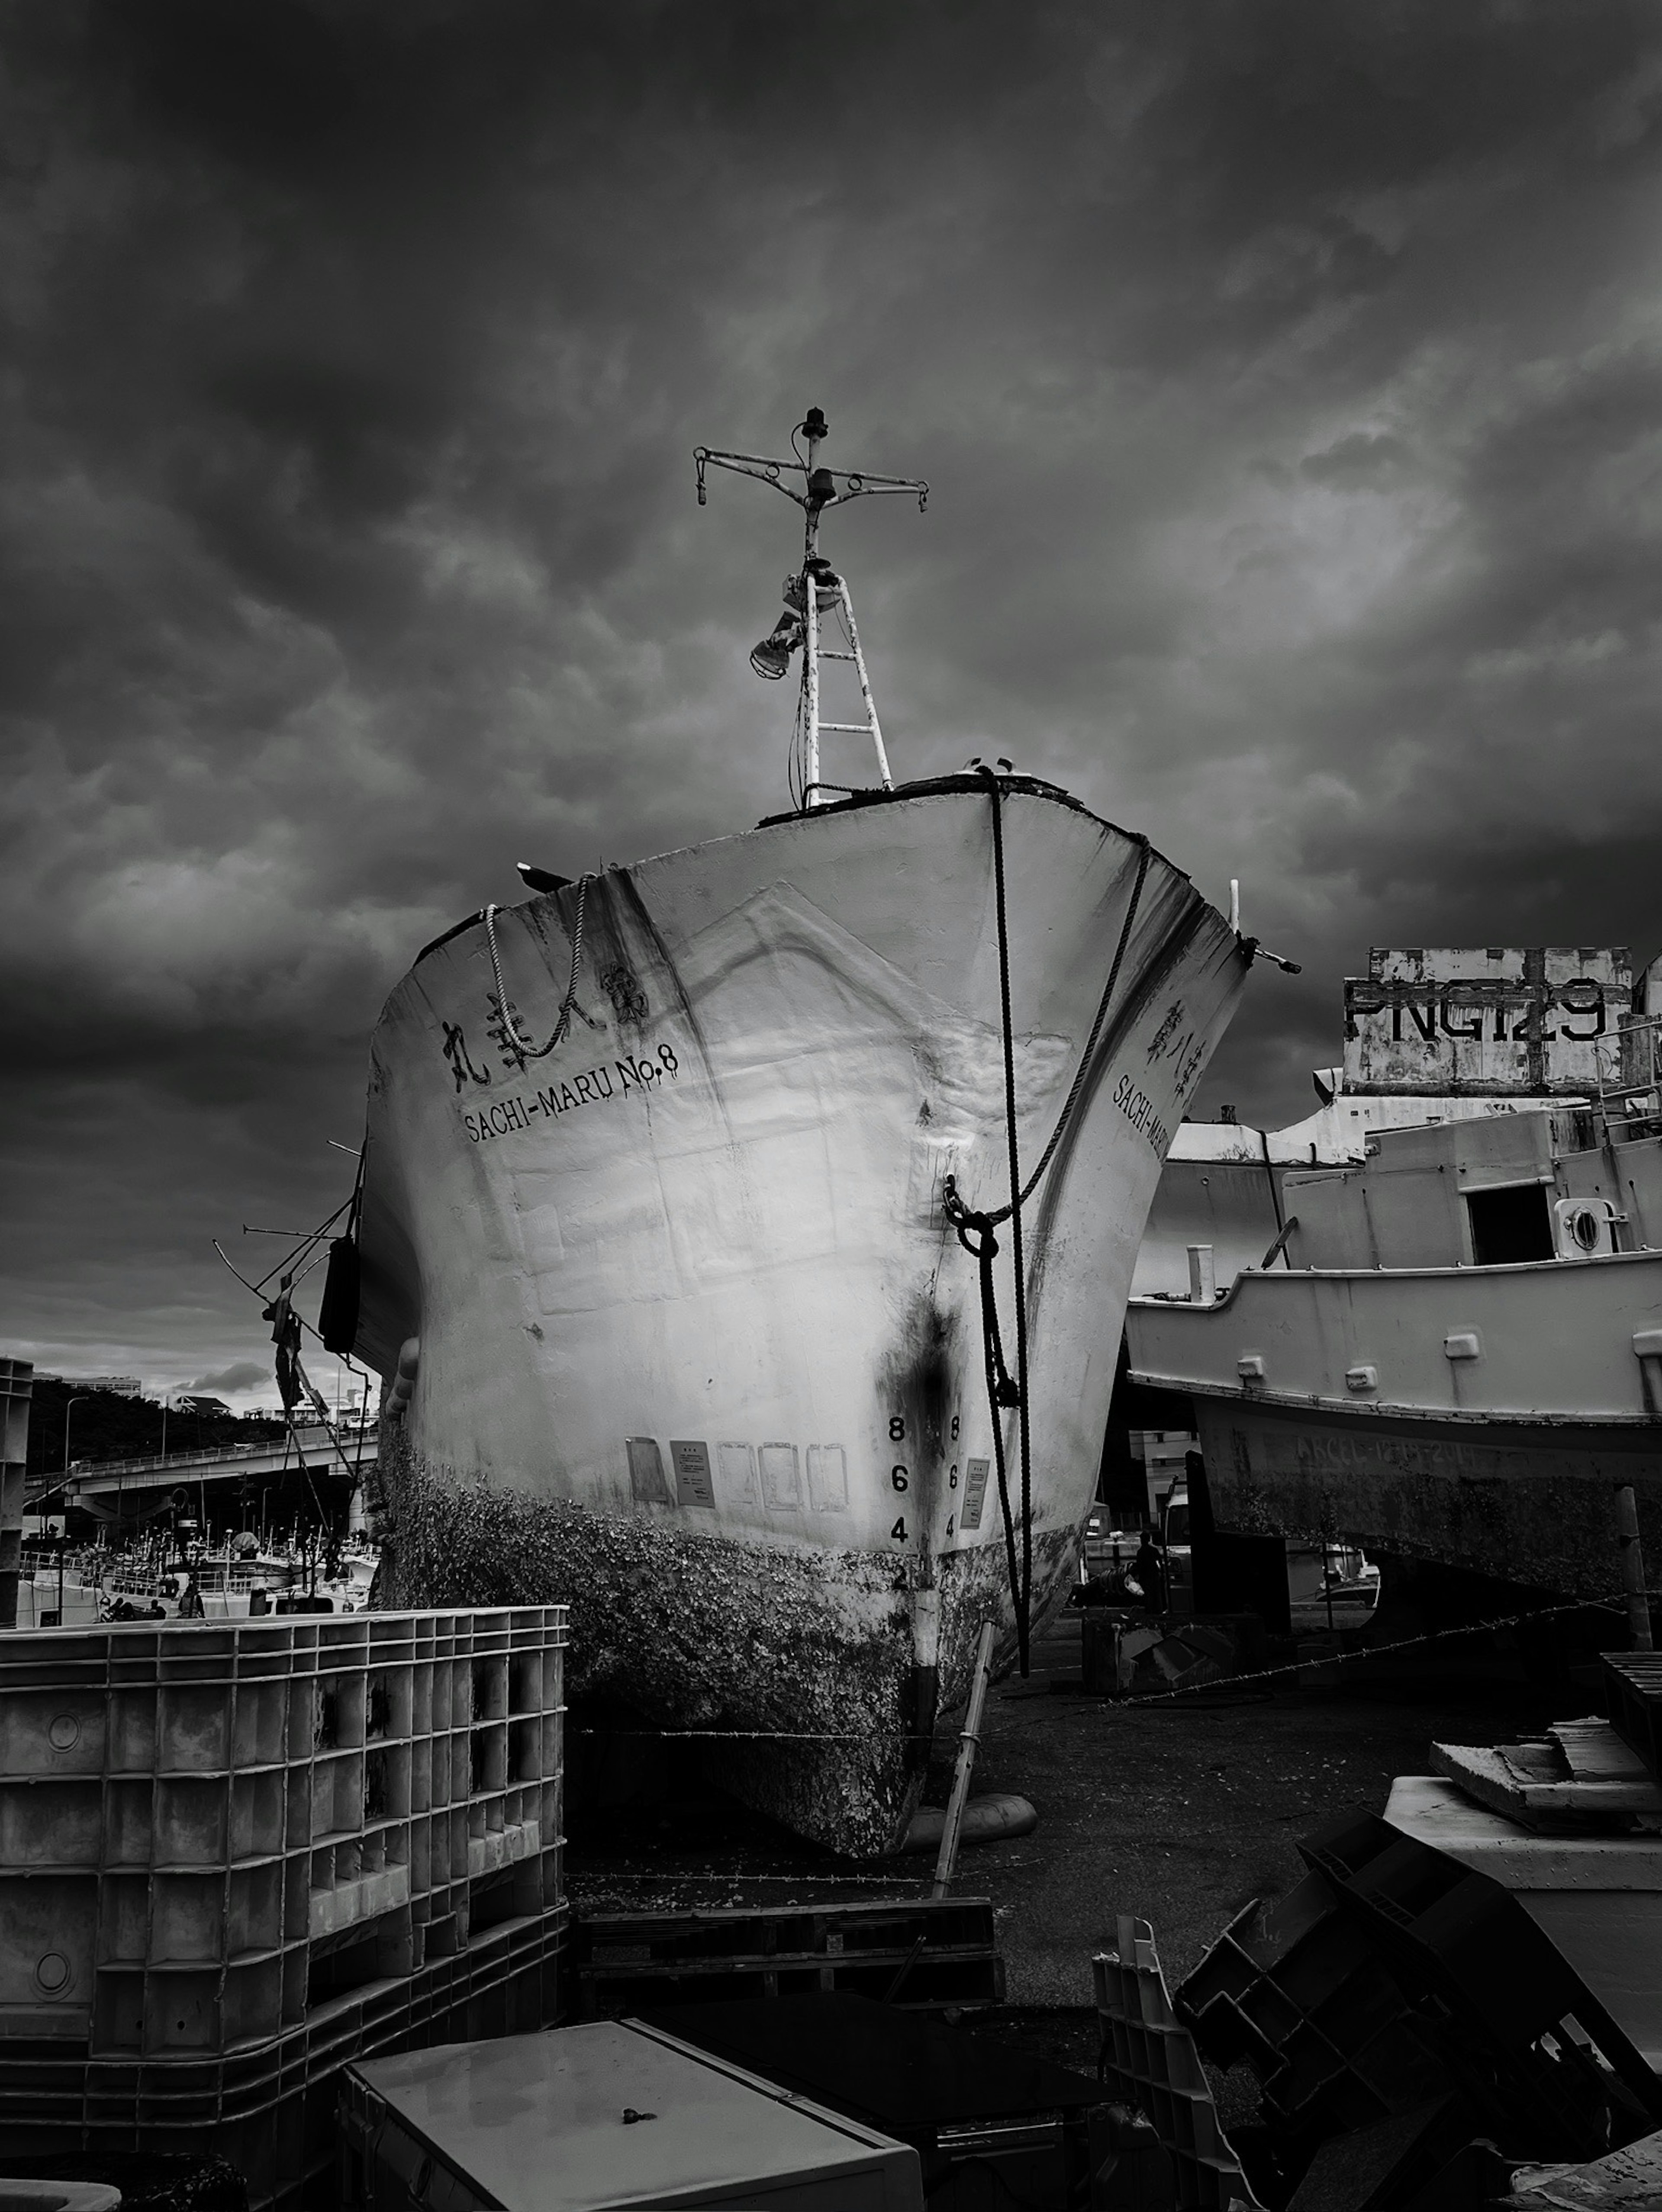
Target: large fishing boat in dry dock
(744, 1234)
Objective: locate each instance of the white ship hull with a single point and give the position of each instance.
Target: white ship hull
(1501, 1458)
(699, 1353)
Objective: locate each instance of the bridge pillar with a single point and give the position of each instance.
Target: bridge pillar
(16, 1388)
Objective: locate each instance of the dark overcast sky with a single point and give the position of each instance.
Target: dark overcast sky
(1286, 373)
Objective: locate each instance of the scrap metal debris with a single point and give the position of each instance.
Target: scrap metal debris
(1580, 1771)
(1148, 2061)
(1415, 2040)
(1626, 2180)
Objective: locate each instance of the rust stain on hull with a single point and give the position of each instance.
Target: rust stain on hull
(1502, 1501)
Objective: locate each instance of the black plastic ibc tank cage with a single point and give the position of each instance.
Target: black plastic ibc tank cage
(236, 1856)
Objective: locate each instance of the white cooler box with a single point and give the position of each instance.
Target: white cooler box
(1600, 1897)
(596, 2119)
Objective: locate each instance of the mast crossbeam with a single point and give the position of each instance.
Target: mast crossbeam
(855, 484)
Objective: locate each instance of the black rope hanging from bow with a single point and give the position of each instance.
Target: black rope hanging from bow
(1008, 1393)
(1005, 1392)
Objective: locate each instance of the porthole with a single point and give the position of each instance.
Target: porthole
(52, 1974)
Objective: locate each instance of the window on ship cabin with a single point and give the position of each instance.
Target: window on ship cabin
(1510, 1224)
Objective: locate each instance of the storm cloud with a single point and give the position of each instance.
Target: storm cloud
(1286, 377)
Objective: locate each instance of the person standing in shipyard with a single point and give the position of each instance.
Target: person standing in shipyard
(1148, 1573)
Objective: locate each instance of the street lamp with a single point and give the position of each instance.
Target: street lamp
(68, 1410)
(64, 1535)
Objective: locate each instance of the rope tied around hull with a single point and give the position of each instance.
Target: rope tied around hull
(976, 1229)
(512, 1036)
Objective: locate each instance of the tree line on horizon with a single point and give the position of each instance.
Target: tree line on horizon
(105, 1425)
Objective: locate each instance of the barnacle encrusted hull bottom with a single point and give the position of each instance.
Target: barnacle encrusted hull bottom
(653, 1235)
(795, 1671)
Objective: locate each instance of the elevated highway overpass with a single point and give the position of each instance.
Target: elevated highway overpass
(102, 1485)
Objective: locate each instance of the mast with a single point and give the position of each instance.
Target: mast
(815, 589)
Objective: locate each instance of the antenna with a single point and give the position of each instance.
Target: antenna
(816, 589)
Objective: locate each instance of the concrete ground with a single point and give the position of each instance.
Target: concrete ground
(1179, 1813)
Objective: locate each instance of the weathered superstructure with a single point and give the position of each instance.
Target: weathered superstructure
(1495, 1022)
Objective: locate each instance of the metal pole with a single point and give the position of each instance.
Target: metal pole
(68, 1410)
(810, 621)
(810, 510)
(969, 1737)
(811, 677)
(1633, 1569)
(64, 1496)
(866, 689)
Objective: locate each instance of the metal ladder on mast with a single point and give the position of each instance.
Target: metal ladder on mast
(821, 598)
(816, 590)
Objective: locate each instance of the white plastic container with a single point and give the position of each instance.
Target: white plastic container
(22, 2194)
(597, 2119)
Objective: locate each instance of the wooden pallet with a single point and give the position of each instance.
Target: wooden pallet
(916, 1952)
(1633, 1698)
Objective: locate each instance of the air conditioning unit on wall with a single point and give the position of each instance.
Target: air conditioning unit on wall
(1582, 1228)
